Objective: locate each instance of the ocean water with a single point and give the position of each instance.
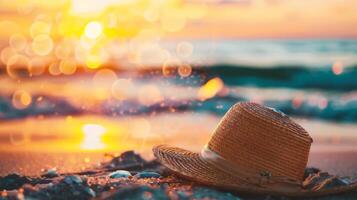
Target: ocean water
(310, 53)
(303, 78)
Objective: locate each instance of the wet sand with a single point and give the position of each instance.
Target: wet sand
(128, 176)
(341, 163)
(31, 145)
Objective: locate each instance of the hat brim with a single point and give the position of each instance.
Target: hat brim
(191, 166)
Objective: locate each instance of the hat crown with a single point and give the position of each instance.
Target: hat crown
(259, 139)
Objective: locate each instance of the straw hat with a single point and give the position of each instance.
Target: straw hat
(254, 149)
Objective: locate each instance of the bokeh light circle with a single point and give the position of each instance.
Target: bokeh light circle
(20, 138)
(54, 69)
(39, 28)
(42, 45)
(184, 70)
(68, 66)
(21, 99)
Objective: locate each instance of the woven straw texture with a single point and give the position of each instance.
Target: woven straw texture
(189, 165)
(258, 139)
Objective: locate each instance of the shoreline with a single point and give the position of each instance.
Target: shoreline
(336, 162)
(127, 176)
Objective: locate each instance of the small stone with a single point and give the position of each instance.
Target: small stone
(120, 174)
(330, 183)
(128, 158)
(146, 174)
(89, 191)
(13, 181)
(346, 180)
(314, 180)
(50, 173)
(73, 179)
(310, 171)
(182, 195)
(28, 189)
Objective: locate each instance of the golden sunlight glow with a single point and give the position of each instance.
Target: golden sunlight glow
(93, 137)
(93, 6)
(93, 61)
(39, 28)
(93, 30)
(210, 89)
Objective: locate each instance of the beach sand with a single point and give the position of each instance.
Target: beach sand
(140, 180)
(29, 146)
(333, 151)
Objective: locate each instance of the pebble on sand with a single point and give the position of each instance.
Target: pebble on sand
(147, 174)
(89, 191)
(151, 181)
(73, 179)
(50, 173)
(13, 181)
(120, 174)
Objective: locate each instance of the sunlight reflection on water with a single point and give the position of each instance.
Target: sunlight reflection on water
(93, 137)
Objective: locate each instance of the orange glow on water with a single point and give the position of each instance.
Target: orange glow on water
(210, 89)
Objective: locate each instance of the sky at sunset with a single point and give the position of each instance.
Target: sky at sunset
(195, 19)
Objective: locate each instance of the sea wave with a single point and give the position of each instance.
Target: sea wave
(301, 77)
(329, 109)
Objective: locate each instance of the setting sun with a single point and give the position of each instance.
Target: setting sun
(93, 30)
(93, 137)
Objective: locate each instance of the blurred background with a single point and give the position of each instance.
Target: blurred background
(80, 78)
